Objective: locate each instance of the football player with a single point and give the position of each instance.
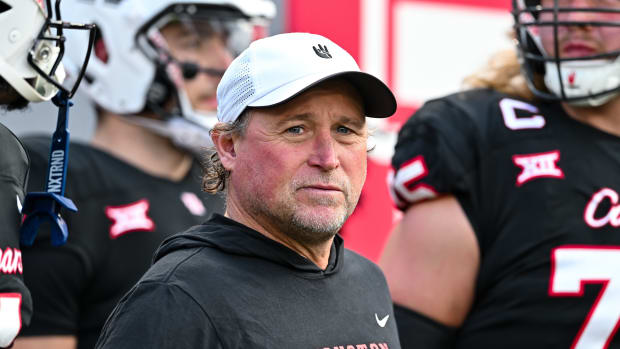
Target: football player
(510, 194)
(30, 71)
(152, 77)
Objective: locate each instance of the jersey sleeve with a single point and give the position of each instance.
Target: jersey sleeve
(158, 315)
(15, 301)
(55, 275)
(436, 153)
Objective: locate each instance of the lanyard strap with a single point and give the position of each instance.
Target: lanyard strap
(59, 149)
(46, 206)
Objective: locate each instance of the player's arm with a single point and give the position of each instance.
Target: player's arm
(15, 300)
(432, 258)
(47, 342)
(431, 262)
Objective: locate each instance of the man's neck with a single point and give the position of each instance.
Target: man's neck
(605, 117)
(316, 253)
(141, 148)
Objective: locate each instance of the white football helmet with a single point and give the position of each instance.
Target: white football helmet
(32, 46)
(590, 80)
(134, 68)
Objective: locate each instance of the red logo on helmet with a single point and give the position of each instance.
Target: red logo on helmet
(571, 79)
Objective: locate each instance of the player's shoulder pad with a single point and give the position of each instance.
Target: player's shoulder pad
(440, 146)
(477, 110)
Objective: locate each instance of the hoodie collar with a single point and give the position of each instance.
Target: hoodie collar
(232, 237)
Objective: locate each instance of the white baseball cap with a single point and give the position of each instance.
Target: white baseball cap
(277, 68)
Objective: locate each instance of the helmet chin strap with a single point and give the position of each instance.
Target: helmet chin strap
(206, 119)
(183, 133)
(584, 78)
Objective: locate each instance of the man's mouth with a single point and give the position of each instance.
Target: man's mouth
(321, 189)
(574, 49)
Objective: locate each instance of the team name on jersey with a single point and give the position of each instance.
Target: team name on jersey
(11, 261)
(360, 346)
(611, 217)
(537, 165)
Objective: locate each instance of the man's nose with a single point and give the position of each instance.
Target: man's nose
(581, 16)
(324, 152)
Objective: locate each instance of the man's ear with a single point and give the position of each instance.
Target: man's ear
(225, 146)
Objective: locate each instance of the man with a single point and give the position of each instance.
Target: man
(153, 77)
(27, 44)
(291, 152)
(510, 235)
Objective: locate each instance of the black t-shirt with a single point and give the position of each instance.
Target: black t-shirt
(541, 191)
(124, 215)
(224, 285)
(15, 302)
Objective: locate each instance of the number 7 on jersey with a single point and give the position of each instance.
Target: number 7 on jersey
(574, 266)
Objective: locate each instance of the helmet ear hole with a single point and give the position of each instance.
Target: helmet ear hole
(161, 89)
(101, 51)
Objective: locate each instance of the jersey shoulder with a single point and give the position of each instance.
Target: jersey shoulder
(439, 148)
(13, 157)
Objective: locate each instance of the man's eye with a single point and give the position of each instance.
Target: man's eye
(295, 130)
(343, 129)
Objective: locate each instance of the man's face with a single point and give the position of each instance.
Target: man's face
(197, 43)
(300, 167)
(581, 41)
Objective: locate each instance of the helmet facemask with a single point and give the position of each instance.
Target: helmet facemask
(582, 72)
(48, 50)
(31, 57)
(191, 46)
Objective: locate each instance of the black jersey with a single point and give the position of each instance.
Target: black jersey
(15, 302)
(224, 285)
(124, 215)
(541, 191)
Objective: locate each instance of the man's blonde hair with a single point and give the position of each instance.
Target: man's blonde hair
(503, 74)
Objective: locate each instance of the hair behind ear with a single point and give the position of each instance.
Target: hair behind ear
(215, 174)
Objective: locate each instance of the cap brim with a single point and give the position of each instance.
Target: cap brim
(379, 102)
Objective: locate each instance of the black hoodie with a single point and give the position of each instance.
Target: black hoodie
(224, 285)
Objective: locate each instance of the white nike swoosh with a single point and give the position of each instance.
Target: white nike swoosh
(383, 321)
(19, 204)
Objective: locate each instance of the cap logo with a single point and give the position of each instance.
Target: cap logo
(322, 51)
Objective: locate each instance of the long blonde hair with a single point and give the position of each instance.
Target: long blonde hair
(502, 73)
